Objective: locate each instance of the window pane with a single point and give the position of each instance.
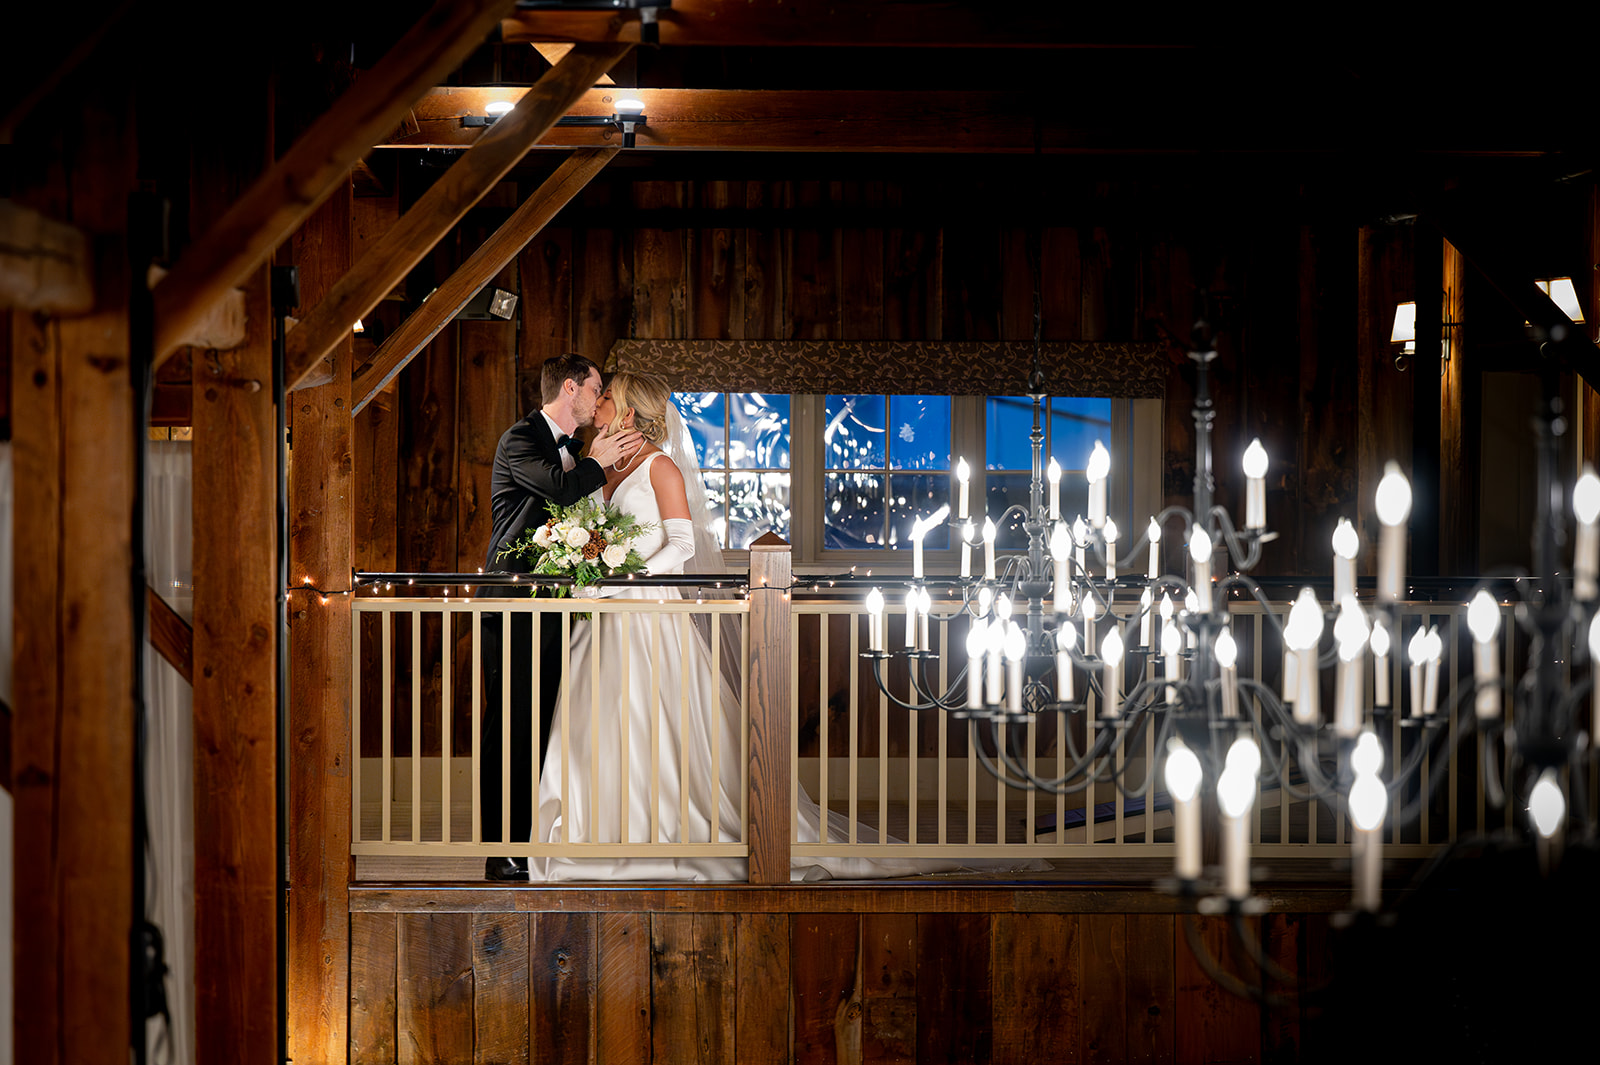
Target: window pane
(758, 504)
(758, 431)
(921, 427)
(852, 509)
(1075, 424)
(705, 414)
(913, 496)
(716, 502)
(1007, 489)
(853, 437)
(1007, 422)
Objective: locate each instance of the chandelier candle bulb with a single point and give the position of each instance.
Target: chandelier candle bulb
(963, 477)
(1416, 652)
(1346, 545)
(1171, 645)
(1144, 618)
(1053, 475)
(1594, 660)
(1098, 470)
(1236, 794)
(1111, 679)
(988, 549)
(1064, 638)
(1080, 537)
(1154, 534)
(996, 636)
(924, 609)
(1183, 777)
(913, 601)
(1191, 604)
(1393, 504)
(1430, 677)
(1301, 634)
(1351, 632)
(1089, 608)
(1200, 552)
(1227, 652)
(1166, 619)
(875, 621)
(1016, 647)
(1586, 549)
(1109, 534)
(1483, 618)
(977, 637)
(1255, 490)
(985, 600)
(1379, 641)
(1060, 545)
(966, 549)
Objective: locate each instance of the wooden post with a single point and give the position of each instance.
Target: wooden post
(1428, 267)
(73, 434)
(1460, 400)
(770, 712)
(236, 438)
(319, 669)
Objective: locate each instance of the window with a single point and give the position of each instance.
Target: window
(842, 477)
(742, 440)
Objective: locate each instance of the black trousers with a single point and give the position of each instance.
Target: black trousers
(520, 711)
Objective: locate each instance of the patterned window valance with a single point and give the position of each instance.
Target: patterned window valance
(906, 367)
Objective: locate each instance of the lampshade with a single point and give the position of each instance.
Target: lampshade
(1405, 326)
(1564, 294)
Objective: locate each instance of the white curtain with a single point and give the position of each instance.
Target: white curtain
(169, 707)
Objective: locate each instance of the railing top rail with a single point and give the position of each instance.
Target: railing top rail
(726, 581)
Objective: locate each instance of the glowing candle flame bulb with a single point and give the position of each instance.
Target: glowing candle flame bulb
(1586, 547)
(1416, 654)
(1066, 636)
(1393, 504)
(985, 601)
(1111, 679)
(1171, 645)
(1547, 805)
(1346, 545)
(1301, 636)
(1154, 535)
(1227, 653)
(1183, 776)
(1016, 647)
(1255, 494)
(1053, 475)
(1236, 794)
(1483, 618)
(1379, 642)
(875, 620)
(988, 549)
(1350, 631)
(1096, 471)
(963, 476)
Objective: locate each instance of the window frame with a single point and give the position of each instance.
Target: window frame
(1135, 444)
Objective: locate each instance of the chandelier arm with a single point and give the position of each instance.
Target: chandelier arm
(1224, 979)
(1246, 938)
(1239, 580)
(1405, 815)
(1056, 786)
(1243, 559)
(934, 703)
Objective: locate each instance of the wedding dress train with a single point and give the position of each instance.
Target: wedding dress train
(626, 686)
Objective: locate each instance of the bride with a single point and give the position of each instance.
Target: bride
(686, 797)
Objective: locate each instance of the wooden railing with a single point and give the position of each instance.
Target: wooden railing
(917, 778)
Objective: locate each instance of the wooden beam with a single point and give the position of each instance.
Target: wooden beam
(275, 205)
(876, 23)
(44, 264)
(941, 121)
(442, 206)
(492, 257)
(73, 754)
(221, 327)
(320, 547)
(170, 635)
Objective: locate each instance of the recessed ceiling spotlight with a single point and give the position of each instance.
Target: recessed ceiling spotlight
(498, 107)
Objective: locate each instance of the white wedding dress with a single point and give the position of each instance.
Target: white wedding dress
(600, 714)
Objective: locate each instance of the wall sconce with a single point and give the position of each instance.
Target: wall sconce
(1405, 332)
(628, 116)
(491, 303)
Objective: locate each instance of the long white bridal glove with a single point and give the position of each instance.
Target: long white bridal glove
(678, 549)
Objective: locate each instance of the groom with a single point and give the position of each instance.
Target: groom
(535, 468)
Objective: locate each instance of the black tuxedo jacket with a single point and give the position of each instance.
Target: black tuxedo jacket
(528, 480)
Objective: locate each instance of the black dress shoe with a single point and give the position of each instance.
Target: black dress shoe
(505, 869)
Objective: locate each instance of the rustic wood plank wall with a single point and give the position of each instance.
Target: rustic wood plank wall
(843, 986)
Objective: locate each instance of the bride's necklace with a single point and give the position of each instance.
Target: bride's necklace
(629, 460)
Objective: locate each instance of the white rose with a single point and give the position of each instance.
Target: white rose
(615, 555)
(577, 537)
(600, 519)
(541, 536)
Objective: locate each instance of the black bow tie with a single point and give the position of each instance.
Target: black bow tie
(571, 443)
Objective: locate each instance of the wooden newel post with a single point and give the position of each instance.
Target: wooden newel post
(770, 627)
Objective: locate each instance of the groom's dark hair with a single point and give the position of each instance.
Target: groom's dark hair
(561, 368)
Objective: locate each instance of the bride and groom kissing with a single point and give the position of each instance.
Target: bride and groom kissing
(537, 466)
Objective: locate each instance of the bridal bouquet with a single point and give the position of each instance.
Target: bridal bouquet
(587, 541)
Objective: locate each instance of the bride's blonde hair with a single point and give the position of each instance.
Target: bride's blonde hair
(648, 395)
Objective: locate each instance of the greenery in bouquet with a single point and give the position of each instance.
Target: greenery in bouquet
(588, 541)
